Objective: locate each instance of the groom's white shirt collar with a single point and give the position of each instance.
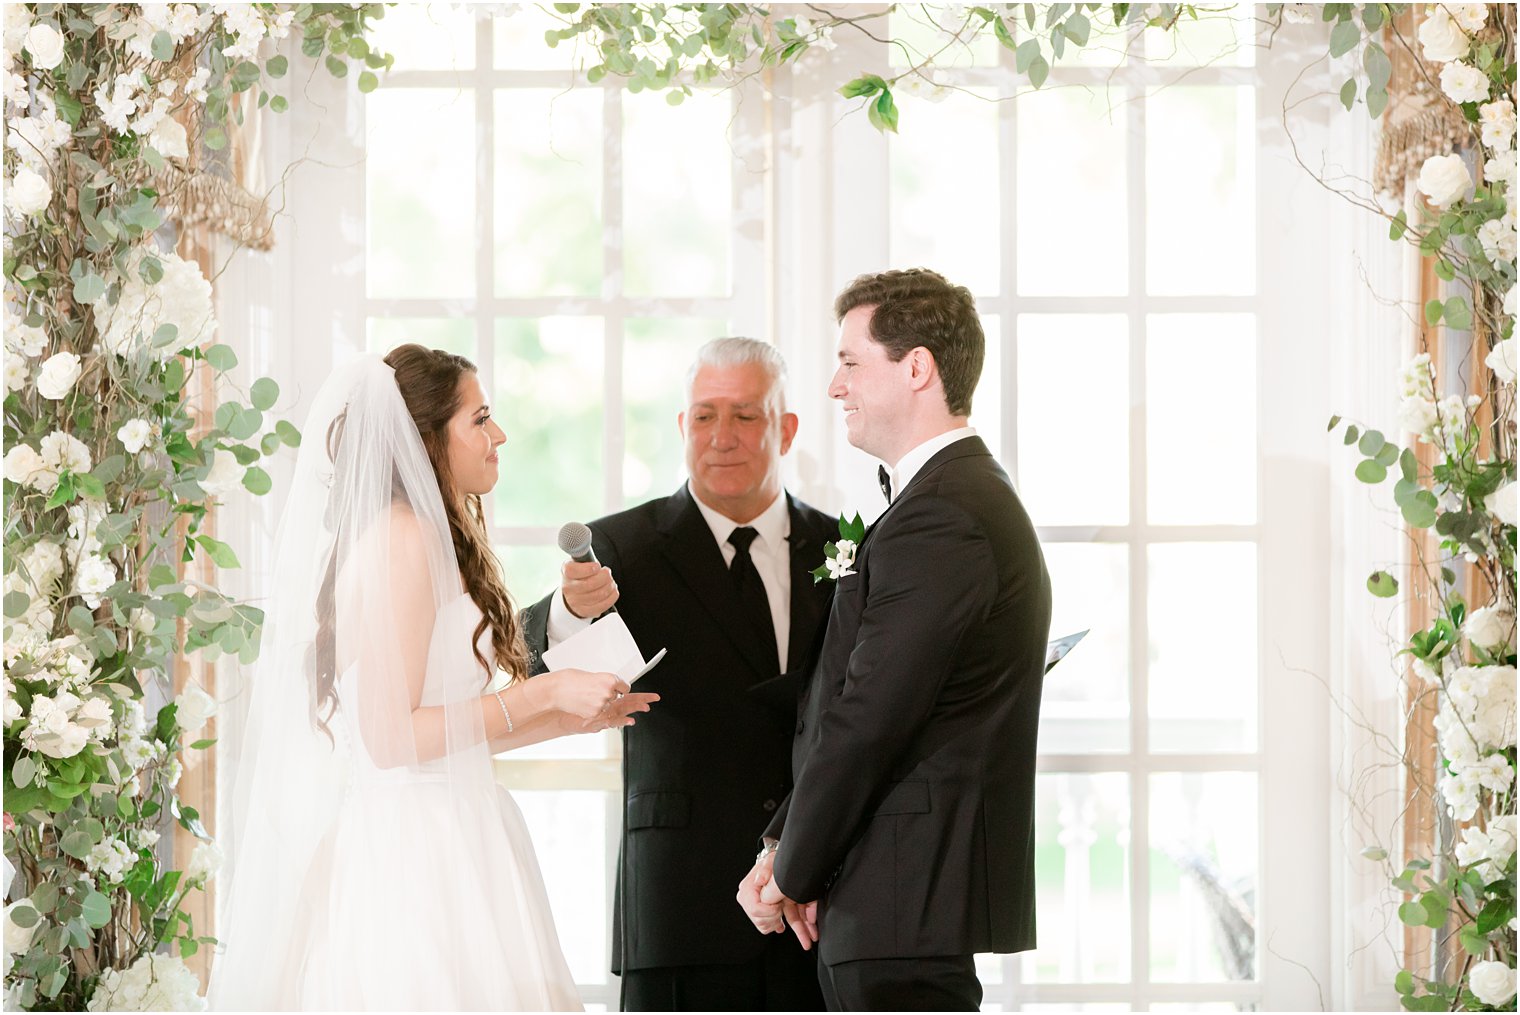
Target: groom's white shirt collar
(908, 465)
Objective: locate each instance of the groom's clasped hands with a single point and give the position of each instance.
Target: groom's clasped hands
(771, 911)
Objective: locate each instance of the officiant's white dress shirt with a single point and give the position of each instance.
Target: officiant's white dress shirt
(770, 552)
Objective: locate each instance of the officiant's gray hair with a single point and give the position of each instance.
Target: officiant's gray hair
(736, 352)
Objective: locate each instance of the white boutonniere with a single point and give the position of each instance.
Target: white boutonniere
(840, 556)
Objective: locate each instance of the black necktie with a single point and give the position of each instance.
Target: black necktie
(752, 597)
(885, 479)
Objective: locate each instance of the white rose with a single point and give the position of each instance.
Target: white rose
(22, 463)
(1442, 38)
(58, 374)
(1463, 83)
(205, 861)
(66, 743)
(29, 193)
(225, 475)
(1492, 982)
(1489, 627)
(1444, 179)
(193, 707)
(45, 46)
(65, 452)
(1496, 123)
(169, 139)
(1501, 503)
(134, 434)
(1471, 17)
(1501, 360)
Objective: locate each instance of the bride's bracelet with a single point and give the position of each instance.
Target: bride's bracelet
(504, 713)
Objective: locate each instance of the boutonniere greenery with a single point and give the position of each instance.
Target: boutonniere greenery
(839, 556)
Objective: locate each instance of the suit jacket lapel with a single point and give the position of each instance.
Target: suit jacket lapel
(964, 448)
(692, 552)
(810, 599)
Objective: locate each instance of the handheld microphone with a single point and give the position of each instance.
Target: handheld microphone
(575, 541)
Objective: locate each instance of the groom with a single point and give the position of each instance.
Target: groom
(907, 843)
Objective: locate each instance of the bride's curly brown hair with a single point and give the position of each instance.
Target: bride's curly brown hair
(429, 383)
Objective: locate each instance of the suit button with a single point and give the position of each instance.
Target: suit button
(769, 805)
(799, 725)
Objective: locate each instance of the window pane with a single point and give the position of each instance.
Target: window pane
(987, 400)
(1082, 879)
(1200, 178)
(1221, 38)
(1071, 223)
(677, 195)
(420, 240)
(548, 192)
(655, 360)
(1203, 876)
(451, 334)
(945, 192)
(1074, 439)
(1200, 367)
(927, 30)
(569, 829)
(1202, 608)
(520, 41)
(1085, 704)
(426, 36)
(549, 402)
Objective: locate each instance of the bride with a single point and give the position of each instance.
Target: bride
(375, 863)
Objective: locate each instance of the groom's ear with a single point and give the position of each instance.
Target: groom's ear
(922, 370)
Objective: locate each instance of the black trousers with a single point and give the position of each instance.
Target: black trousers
(782, 977)
(944, 983)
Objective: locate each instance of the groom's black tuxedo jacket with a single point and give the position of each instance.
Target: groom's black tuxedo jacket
(912, 817)
(710, 762)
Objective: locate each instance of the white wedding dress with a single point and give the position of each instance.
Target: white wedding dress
(374, 863)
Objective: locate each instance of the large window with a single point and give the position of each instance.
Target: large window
(579, 243)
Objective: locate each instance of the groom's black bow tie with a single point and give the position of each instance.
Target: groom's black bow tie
(885, 479)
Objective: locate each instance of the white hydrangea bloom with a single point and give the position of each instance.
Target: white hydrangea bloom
(152, 983)
(64, 452)
(110, 859)
(181, 298)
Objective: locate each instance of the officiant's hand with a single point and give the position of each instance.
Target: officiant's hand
(588, 588)
(802, 917)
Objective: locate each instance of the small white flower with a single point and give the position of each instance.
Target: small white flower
(44, 45)
(16, 374)
(1501, 360)
(838, 568)
(58, 374)
(152, 983)
(134, 435)
(65, 452)
(1490, 627)
(29, 193)
(1492, 982)
(94, 575)
(193, 707)
(1441, 38)
(169, 139)
(1494, 773)
(1444, 179)
(1501, 503)
(1500, 168)
(1464, 83)
(117, 102)
(225, 475)
(110, 859)
(1496, 123)
(22, 464)
(205, 861)
(1417, 416)
(1497, 238)
(1469, 17)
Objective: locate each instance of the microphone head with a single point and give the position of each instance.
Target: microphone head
(575, 540)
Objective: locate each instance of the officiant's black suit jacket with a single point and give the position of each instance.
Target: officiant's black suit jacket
(912, 817)
(710, 762)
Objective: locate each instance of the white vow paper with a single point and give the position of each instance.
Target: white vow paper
(604, 647)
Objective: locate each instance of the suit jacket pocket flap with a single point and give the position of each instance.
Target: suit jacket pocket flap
(654, 809)
(911, 796)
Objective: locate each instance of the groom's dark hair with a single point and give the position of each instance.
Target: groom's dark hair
(919, 307)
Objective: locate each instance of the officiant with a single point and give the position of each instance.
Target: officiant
(718, 574)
